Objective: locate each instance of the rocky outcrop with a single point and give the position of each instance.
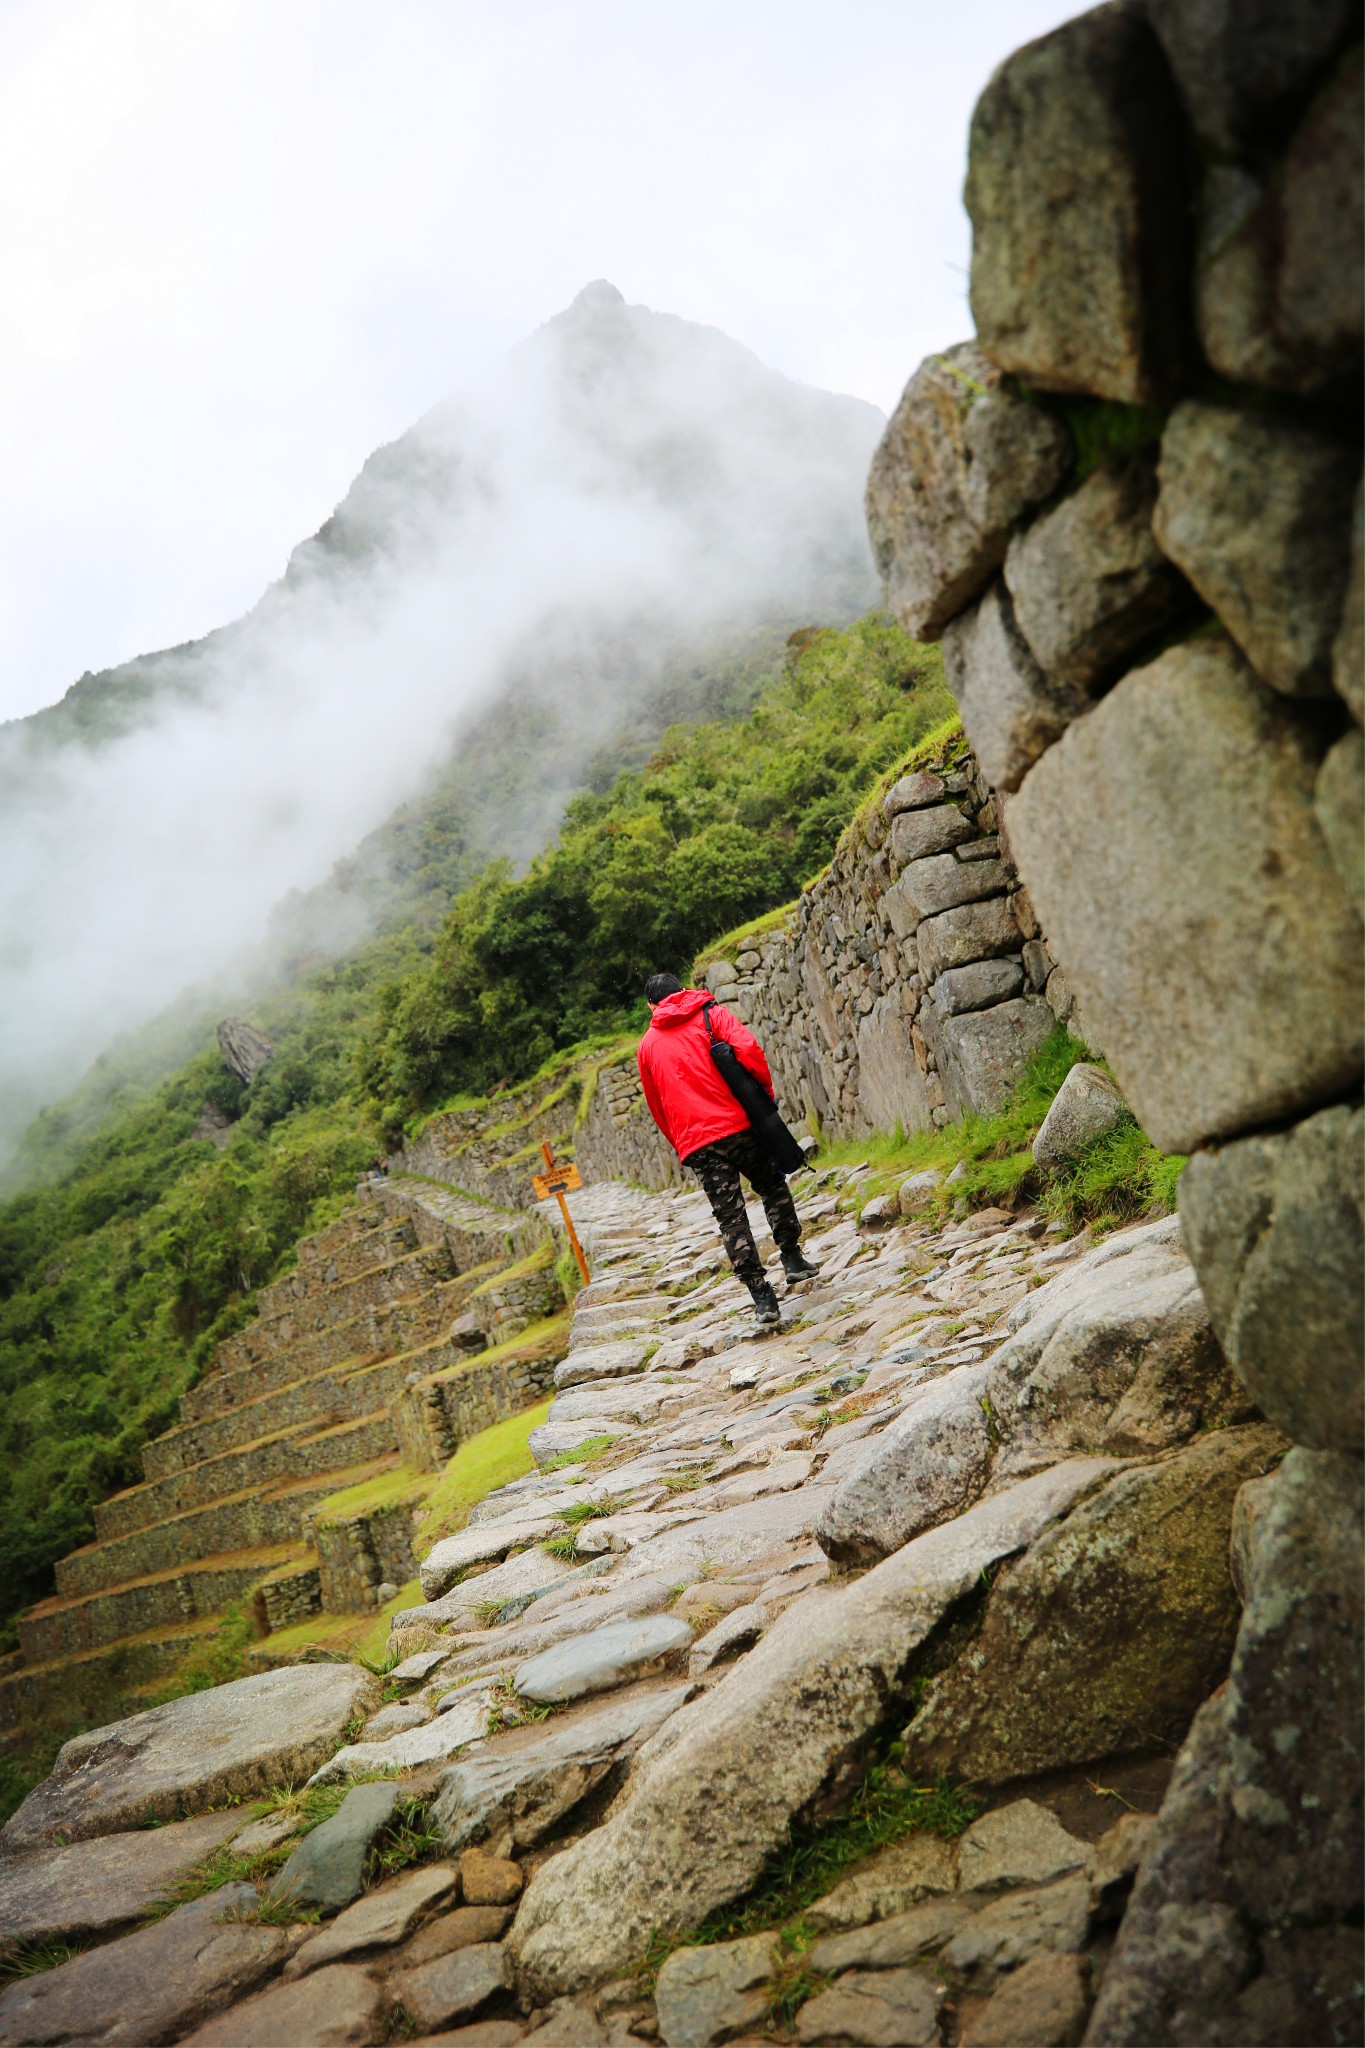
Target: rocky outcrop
(1187, 824)
(245, 1049)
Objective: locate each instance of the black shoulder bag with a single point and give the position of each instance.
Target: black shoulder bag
(754, 1099)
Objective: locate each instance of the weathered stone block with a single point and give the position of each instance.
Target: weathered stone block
(1338, 804)
(1237, 62)
(890, 1086)
(1274, 1227)
(978, 986)
(1117, 1353)
(982, 1054)
(1089, 582)
(1075, 177)
(929, 1464)
(1109, 1632)
(912, 793)
(1171, 848)
(917, 834)
(1280, 283)
(960, 460)
(1244, 1920)
(977, 931)
(1257, 513)
(1088, 1103)
(1011, 711)
(943, 882)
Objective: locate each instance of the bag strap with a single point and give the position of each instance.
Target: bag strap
(706, 1019)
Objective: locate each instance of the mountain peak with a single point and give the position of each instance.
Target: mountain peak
(596, 297)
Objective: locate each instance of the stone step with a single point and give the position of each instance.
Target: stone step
(374, 1333)
(296, 1452)
(291, 1308)
(325, 1259)
(258, 1515)
(321, 1399)
(63, 1628)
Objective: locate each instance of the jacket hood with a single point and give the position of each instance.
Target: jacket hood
(677, 1009)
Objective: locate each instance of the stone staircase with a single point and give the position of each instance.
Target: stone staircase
(401, 1293)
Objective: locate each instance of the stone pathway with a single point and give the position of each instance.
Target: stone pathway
(742, 1559)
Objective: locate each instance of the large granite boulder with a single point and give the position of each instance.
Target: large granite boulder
(1118, 1354)
(930, 1463)
(1240, 63)
(1109, 1632)
(962, 457)
(1075, 176)
(245, 1049)
(1088, 1105)
(1280, 279)
(1011, 711)
(715, 1792)
(1274, 1227)
(1244, 1924)
(1089, 582)
(1258, 514)
(1170, 847)
(231, 1742)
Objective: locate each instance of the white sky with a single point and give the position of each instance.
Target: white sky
(242, 242)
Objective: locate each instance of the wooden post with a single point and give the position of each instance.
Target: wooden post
(548, 1154)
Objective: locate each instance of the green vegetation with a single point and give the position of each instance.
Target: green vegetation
(724, 824)
(1117, 1178)
(582, 1454)
(482, 1463)
(886, 1806)
(214, 1660)
(136, 1245)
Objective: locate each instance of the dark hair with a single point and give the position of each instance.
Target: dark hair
(660, 985)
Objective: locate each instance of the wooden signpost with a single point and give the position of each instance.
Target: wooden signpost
(560, 1180)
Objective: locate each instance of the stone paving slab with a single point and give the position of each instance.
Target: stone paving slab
(233, 1741)
(96, 1885)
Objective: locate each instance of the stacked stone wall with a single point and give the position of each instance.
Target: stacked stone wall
(1131, 507)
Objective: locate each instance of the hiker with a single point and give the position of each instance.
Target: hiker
(710, 1132)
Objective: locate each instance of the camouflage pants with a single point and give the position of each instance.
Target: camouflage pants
(718, 1168)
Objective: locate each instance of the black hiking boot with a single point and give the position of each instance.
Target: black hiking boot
(767, 1309)
(798, 1267)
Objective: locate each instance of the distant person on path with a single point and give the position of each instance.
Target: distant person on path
(710, 1132)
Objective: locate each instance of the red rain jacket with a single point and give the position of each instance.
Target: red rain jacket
(687, 1097)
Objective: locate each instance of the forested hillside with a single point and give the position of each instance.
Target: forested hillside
(139, 1243)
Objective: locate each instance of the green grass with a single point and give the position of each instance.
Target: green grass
(31, 1958)
(215, 1660)
(1117, 1179)
(582, 1454)
(407, 1839)
(886, 1807)
(588, 1510)
(480, 1465)
(564, 1547)
(390, 1489)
